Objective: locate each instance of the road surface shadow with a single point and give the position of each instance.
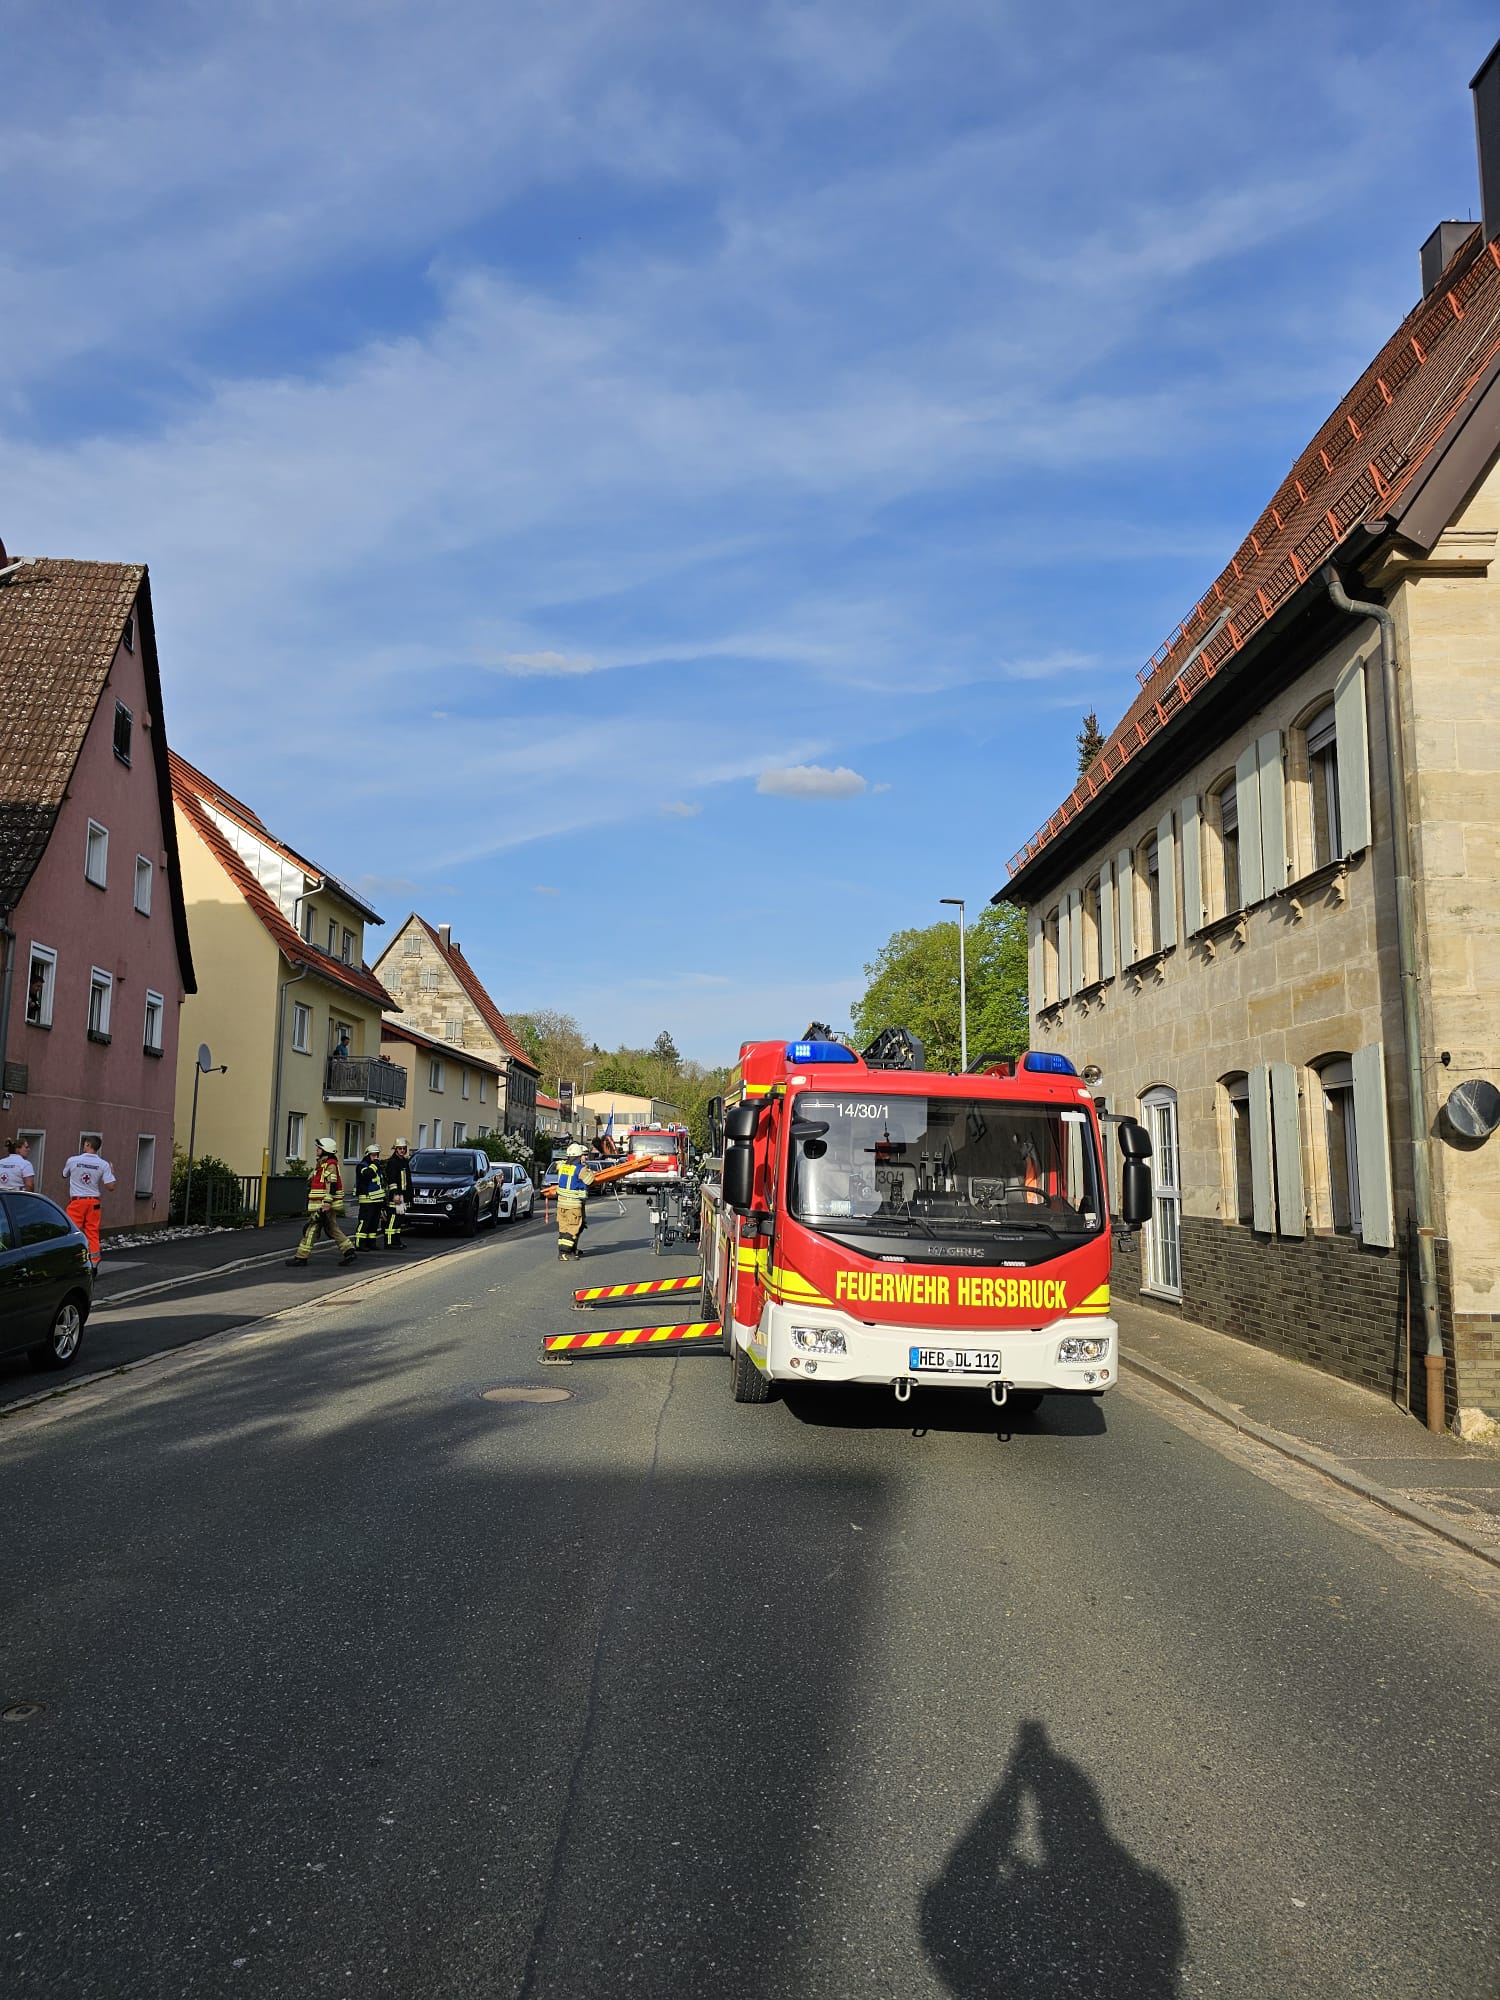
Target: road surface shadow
(1037, 1899)
(966, 1410)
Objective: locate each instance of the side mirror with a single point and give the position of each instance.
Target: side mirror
(741, 1119)
(739, 1178)
(715, 1111)
(1135, 1192)
(1135, 1140)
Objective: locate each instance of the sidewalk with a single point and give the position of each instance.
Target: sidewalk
(135, 1268)
(1359, 1439)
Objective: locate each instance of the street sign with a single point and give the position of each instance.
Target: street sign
(565, 1103)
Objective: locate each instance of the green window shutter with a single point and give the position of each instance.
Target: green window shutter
(1075, 897)
(1286, 1148)
(1125, 897)
(1372, 1145)
(1193, 914)
(1352, 736)
(1263, 1197)
(1065, 944)
(1107, 921)
(1166, 865)
(1247, 798)
(1272, 812)
(1034, 941)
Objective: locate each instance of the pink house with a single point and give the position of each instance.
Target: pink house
(94, 958)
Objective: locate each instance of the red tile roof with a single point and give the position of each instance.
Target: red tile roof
(189, 789)
(484, 1006)
(61, 624)
(1363, 470)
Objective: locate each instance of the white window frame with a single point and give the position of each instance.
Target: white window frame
(144, 871)
(354, 1139)
(421, 1137)
(1324, 812)
(484, 1084)
(460, 1132)
(296, 1135)
(333, 937)
(1162, 1236)
(435, 1073)
(1241, 1199)
(301, 1029)
(1340, 1133)
(157, 1004)
(347, 946)
(48, 956)
(103, 982)
(437, 1132)
(464, 1089)
(145, 1152)
(96, 842)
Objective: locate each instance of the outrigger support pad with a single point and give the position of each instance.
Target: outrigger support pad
(606, 1340)
(603, 1295)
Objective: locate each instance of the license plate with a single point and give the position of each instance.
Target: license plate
(426, 1200)
(955, 1360)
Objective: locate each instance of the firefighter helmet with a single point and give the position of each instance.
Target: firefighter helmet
(575, 1151)
(328, 1146)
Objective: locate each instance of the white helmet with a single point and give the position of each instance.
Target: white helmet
(400, 1143)
(328, 1146)
(372, 1150)
(575, 1151)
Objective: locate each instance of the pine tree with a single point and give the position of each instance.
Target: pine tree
(665, 1049)
(1090, 741)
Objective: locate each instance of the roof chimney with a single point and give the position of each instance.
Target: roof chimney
(1486, 88)
(1438, 252)
(445, 936)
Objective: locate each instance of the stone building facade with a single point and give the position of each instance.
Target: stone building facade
(1213, 913)
(442, 994)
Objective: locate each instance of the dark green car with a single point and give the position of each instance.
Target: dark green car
(46, 1281)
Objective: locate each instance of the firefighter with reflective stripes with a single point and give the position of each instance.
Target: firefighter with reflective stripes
(369, 1192)
(573, 1183)
(397, 1176)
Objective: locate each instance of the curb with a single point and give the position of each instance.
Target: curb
(190, 1278)
(1318, 1461)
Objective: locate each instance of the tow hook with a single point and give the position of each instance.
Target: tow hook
(999, 1393)
(902, 1386)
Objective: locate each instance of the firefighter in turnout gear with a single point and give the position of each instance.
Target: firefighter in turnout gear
(325, 1202)
(573, 1183)
(369, 1189)
(397, 1173)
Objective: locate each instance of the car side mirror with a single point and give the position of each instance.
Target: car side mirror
(1135, 1140)
(739, 1177)
(740, 1120)
(1135, 1193)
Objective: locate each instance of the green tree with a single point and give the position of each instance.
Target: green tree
(556, 1044)
(1090, 741)
(665, 1050)
(914, 984)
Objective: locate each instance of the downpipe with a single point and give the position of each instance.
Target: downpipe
(1411, 1020)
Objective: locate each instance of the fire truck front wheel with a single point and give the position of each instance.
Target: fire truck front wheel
(748, 1383)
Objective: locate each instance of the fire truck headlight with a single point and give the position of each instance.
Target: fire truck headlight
(1082, 1347)
(818, 1340)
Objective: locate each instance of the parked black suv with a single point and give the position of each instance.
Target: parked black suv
(455, 1187)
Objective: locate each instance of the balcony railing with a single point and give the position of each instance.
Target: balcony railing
(365, 1080)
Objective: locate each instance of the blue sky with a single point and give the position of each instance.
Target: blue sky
(658, 487)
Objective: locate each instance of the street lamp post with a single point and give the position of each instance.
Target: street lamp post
(957, 902)
(203, 1067)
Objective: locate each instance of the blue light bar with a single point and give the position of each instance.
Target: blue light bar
(1048, 1063)
(819, 1052)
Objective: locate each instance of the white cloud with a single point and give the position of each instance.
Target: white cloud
(679, 809)
(549, 663)
(811, 781)
(544, 889)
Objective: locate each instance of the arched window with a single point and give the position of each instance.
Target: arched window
(1163, 1236)
(1224, 893)
(1339, 1141)
(1321, 740)
(1239, 1192)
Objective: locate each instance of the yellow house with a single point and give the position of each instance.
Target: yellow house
(284, 997)
(454, 1095)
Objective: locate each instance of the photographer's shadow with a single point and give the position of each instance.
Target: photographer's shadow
(1038, 1900)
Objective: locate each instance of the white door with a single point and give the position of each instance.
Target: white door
(1164, 1231)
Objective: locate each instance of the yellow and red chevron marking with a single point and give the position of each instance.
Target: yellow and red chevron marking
(591, 1293)
(630, 1336)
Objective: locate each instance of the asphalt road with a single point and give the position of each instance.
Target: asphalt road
(331, 1674)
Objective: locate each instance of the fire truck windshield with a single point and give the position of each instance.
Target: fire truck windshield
(656, 1145)
(945, 1176)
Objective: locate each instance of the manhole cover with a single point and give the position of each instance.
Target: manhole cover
(20, 1711)
(527, 1395)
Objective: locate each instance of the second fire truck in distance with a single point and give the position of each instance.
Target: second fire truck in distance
(871, 1221)
(660, 1154)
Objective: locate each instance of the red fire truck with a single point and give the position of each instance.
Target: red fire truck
(868, 1220)
(660, 1153)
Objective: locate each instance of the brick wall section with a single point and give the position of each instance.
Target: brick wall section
(1322, 1299)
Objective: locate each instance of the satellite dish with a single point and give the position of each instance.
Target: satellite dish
(205, 1060)
(1474, 1108)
